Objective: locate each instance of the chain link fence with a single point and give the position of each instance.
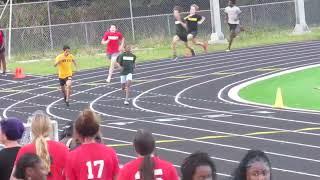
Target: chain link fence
(47, 25)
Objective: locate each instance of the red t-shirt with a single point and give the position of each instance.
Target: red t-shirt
(163, 170)
(1, 37)
(58, 153)
(92, 161)
(114, 39)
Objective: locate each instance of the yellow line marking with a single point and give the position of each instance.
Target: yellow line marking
(10, 90)
(268, 69)
(225, 136)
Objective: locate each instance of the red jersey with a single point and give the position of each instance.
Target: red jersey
(58, 154)
(114, 40)
(163, 170)
(1, 37)
(92, 161)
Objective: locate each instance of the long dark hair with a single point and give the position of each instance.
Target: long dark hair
(190, 164)
(251, 157)
(144, 145)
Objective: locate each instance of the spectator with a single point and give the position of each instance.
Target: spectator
(91, 160)
(30, 166)
(254, 166)
(147, 166)
(69, 138)
(198, 166)
(11, 130)
(52, 154)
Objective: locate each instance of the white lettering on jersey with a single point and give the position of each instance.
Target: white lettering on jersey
(157, 172)
(128, 58)
(113, 37)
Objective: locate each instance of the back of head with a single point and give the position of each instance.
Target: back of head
(12, 128)
(251, 157)
(177, 8)
(144, 145)
(196, 7)
(87, 124)
(26, 161)
(190, 164)
(41, 129)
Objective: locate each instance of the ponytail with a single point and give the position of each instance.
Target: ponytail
(147, 168)
(43, 152)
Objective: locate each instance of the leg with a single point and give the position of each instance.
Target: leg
(68, 90)
(113, 63)
(174, 45)
(202, 44)
(232, 36)
(63, 90)
(128, 84)
(3, 63)
(190, 48)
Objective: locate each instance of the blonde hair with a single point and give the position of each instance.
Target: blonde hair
(195, 6)
(41, 128)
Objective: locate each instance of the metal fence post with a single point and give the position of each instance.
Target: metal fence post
(251, 16)
(169, 27)
(301, 24)
(217, 36)
(132, 23)
(50, 28)
(86, 31)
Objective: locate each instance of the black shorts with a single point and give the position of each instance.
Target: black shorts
(194, 33)
(233, 27)
(63, 81)
(183, 38)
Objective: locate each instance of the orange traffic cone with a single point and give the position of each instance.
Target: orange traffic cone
(19, 73)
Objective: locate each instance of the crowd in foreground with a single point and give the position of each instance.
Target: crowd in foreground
(82, 155)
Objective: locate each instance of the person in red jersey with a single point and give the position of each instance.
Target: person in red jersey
(115, 42)
(52, 154)
(147, 166)
(3, 62)
(91, 160)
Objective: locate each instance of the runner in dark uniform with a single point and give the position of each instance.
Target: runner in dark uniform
(193, 19)
(181, 32)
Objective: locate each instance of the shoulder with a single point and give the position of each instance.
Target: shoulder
(131, 165)
(57, 145)
(164, 164)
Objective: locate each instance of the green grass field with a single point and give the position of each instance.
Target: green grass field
(299, 90)
(151, 49)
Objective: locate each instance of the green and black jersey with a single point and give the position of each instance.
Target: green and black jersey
(192, 22)
(127, 61)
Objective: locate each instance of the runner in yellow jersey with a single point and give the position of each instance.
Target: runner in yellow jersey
(64, 63)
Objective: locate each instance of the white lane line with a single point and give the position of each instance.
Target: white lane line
(234, 91)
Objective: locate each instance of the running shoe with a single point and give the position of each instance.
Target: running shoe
(126, 102)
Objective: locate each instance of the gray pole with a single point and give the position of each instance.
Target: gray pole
(217, 36)
(10, 31)
(50, 28)
(132, 24)
(301, 25)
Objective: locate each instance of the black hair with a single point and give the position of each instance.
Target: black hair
(67, 130)
(26, 161)
(144, 145)
(252, 156)
(177, 8)
(65, 47)
(190, 164)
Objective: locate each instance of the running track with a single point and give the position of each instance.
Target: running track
(185, 104)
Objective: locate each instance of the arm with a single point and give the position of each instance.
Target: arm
(75, 64)
(121, 44)
(104, 42)
(57, 62)
(202, 20)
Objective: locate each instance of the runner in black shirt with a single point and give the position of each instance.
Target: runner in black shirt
(127, 62)
(181, 32)
(193, 19)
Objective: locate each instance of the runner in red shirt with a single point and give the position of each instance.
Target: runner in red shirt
(3, 63)
(52, 154)
(114, 41)
(147, 166)
(91, 160)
